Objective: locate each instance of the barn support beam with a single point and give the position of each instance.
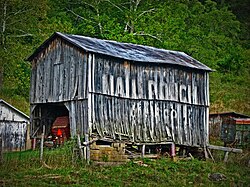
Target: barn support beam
(226, 149)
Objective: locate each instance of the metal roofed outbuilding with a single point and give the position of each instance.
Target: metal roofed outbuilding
(14, 126)
(126, 92)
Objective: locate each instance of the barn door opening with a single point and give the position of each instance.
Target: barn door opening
(55, 118)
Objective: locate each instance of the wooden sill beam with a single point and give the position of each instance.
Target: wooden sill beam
(226, 149)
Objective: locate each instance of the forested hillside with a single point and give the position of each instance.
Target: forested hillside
(214, 32)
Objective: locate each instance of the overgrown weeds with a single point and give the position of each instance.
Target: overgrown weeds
(66, 168)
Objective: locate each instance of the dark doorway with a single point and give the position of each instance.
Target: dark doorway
(46, 114)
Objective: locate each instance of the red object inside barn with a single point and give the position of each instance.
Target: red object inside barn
(60, 129)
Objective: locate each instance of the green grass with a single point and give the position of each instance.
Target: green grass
(25, 169)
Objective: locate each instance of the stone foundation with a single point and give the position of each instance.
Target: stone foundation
(108, 153)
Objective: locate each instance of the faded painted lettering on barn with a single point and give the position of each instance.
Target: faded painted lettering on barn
(162, 91)
(147, 103)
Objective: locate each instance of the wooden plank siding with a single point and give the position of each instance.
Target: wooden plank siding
(122, 99)
(147, 102)
(13, 127)
(59, 75)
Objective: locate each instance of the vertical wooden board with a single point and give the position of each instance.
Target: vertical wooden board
(61, 74)
(37, 91)
(97, 74)
(49, 81)
(176, 122)
(152, 120)
(97, 125)
(96, 119)
(158, 131)
(140, 81)
(45, 80)
(139, 120)
(116, 120)
(180, 123)
(80, 75)
(40, 94)
(72, 74)
(76, 73)
(134, 82)
(207, 125)
(92, 73)
(185, 124)
(189, 87)
(33, 85)
(166, 121)
(102, 115)
(115, 74)
(105, 115)
(196, 125)
(207, 89)
(161, 85)
(163, 134)
(85, 76)
(132, 119)
(194, 89)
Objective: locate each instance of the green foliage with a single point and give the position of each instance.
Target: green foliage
(25, 169)
(207, 30)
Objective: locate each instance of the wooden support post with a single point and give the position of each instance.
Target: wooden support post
(80, 146)
(205, 152)
(226, 149)
(87, 149)
(143, 151)
(173, 154)
(34, 143)
(1, 150)
(41, 147)
(210, 154)
(226, 156)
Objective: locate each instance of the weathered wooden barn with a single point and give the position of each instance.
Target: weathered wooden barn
(121, 91)
(13, 128)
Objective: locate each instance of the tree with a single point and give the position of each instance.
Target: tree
(18, 26)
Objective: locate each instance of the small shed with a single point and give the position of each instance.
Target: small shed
(216, 121)
(119, 91)
(236, 132)
(14, 126)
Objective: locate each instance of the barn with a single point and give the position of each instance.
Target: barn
(14, 126)
(119, 91)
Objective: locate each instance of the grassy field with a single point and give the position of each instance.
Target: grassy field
(64, 169)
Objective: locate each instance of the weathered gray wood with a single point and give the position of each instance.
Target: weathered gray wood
(41, 146)
(80, 146)
(143, 150)
(226, 149)
(1, 148)
(226, 156)
(111, 97)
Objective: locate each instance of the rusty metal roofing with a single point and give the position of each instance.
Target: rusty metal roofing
(127, 51)
(230, 114)
(242, 121)
(61, 122)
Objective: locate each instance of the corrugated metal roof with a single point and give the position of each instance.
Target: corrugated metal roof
(12, 107)
(61, 122)
(242, 121)
(233, 114)
(127, 51)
